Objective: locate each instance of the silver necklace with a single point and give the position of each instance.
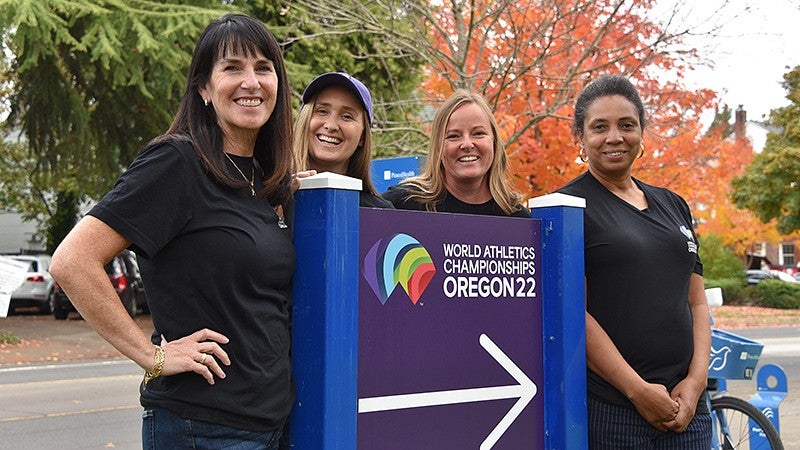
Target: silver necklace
(252, 174)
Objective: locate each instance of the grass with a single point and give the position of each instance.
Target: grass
(8, 338)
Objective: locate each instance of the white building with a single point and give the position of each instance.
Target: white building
(17, 235)
(755, 131)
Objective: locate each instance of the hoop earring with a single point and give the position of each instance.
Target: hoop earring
(582, 155)
(641, 151)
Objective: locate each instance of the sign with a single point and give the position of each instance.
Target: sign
(450, 332)
(12, 275)
(390, 171)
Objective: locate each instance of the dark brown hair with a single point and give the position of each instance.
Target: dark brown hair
(237, 34)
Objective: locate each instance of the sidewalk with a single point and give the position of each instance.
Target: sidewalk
(47, 340)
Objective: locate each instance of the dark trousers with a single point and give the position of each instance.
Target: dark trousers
(614, 427)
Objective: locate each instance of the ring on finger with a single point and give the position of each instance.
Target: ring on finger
(203, 358)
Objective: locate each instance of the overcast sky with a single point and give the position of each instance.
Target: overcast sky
(757, 41)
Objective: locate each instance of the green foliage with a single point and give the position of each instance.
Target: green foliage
(8, 338)
(94, 80)
(769, 187)
(718, 260)
(722, 120)
(767, 293)
(87, 83)
(62, 221)
(733, 289)
(778, 294)
(15, 184)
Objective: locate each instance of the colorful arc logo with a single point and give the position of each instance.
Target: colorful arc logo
(398, 259)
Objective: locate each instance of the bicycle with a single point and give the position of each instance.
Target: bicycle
(736, 423)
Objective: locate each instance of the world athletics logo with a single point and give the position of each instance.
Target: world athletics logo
(398, 259)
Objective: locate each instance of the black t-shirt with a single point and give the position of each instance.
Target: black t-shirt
(217, 258)
(369, 200)
(399, 196)
(638, 266)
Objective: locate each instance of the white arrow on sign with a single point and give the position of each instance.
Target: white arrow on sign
(525, 391)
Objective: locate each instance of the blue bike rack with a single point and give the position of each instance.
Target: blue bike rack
(772, 389)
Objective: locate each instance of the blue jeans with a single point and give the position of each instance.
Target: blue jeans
(163, 430)
(613, 427)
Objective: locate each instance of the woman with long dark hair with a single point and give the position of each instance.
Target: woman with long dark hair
(201, 206)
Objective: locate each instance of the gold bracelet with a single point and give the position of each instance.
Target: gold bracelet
(157, 368)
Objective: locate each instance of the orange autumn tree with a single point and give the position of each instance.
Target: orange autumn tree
(702, 175)
(531, 59)
(528, 57)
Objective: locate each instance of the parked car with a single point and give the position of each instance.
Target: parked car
(38, 289)
(123, 271)
(783, 276)
(754, 276)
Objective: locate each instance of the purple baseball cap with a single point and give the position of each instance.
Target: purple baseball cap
(340, 79)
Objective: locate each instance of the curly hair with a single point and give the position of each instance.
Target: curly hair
(605, 86)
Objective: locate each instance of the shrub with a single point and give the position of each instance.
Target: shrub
(8, 338)
(719, 261)
(732, 289)
(778, 294)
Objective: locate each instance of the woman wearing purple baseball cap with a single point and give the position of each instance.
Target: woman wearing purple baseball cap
(332, 132)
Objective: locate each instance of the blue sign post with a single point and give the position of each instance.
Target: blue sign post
(325, 314)
(430, 330)
(564, 325)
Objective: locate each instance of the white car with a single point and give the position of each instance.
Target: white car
(784, 276)
(39, 287)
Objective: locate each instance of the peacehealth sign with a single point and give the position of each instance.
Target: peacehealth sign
(416, 330)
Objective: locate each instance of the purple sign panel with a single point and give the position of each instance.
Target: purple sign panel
(450, 332)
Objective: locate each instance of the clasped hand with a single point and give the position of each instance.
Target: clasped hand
(686, 394)
(668, 410)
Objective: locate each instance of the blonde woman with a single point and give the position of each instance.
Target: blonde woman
(333, 131)
(466, 170)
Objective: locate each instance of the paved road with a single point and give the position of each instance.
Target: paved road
(88, 405)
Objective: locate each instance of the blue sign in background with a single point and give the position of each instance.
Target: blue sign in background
(434, 345)
(390, 171)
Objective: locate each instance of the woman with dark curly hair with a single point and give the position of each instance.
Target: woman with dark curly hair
(647, 324)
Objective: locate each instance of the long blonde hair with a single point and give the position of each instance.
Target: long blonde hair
(358, 166)
(429, 187)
